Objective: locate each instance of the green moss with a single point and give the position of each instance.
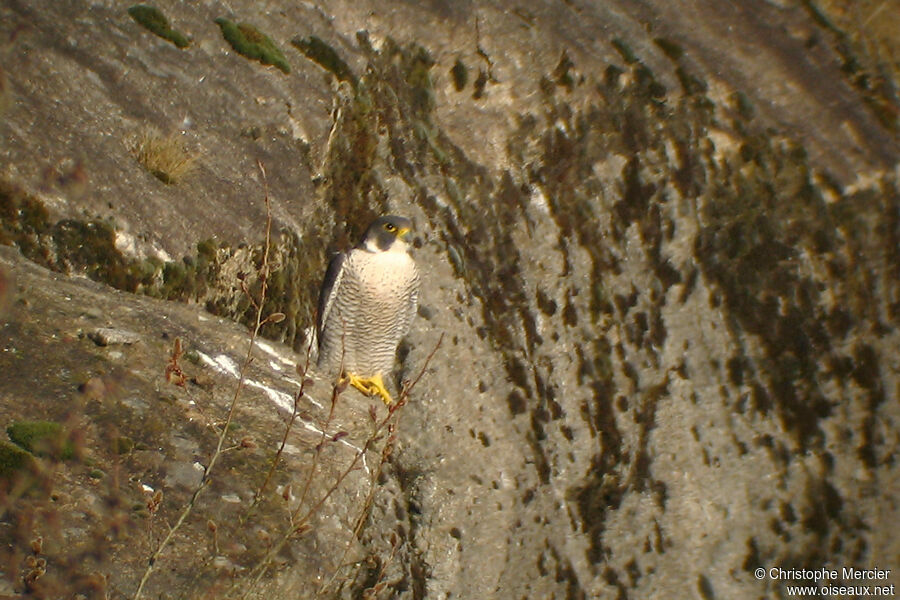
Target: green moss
(562, 74)
(91, 247)
(13, 460)
(460, 75)
(42, 438)
(144, 272)
(866, 75)
(96, 474)
(206, 249)
(33, 215)
(325, 56)
(669, 48)
(23, 219)
(764, 215)
(480, 84)
(193, 356)
(252, 43)
(418, 77)
(690, 83)
(67, 246)
(611, 75)
(188, 279)
(819, 16)
(744, 105)
(624, 51)
(155, 21)
(123, 445)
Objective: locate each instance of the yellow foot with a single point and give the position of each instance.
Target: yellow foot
(371, 386)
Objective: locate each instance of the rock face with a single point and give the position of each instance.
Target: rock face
(661, 242)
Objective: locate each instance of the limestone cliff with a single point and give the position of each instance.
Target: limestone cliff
(661, 241)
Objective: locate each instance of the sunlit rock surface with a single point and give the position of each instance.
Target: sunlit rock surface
(661, 241)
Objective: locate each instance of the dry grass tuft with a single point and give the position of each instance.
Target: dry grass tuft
(166, 157)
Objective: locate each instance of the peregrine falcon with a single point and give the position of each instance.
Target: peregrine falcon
(366, 305)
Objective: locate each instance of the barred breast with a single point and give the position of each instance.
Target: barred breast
(372, 310)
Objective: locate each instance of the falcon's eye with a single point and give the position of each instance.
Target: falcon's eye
(390, 227)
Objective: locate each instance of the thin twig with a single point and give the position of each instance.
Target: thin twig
(294, 414)
(408, 388)
(874, 13)
(299, 525)
(204, 481)
(360, 521)
(337, 389)
(385, 454)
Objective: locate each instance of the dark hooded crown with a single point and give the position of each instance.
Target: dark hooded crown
(384, 231)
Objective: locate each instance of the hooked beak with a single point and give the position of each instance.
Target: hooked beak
(401, 233)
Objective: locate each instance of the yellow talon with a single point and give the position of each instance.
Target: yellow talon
(371, 386)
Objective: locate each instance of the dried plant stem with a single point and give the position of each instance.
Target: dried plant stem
(204, 481)
(360, 521)
(257, 498)
(336, 390)
(370, 496)
(874, 13)
(299, 524)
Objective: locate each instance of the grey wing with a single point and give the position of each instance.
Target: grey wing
(412, 306)
(330, 286)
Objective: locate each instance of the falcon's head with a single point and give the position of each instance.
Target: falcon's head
(386, 234)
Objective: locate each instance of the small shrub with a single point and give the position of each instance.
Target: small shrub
(155, 21)
(166, 157)
(252, 43)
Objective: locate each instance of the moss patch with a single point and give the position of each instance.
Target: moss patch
(13, 460)
(460, 75)
(252, 43)
(73, 246)
(562, 75)
(66, 246)
(862, 54)
(624, 50)
(155, 21)
(325, 56)
(42, 438)
(123, 444)
(669, 48)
